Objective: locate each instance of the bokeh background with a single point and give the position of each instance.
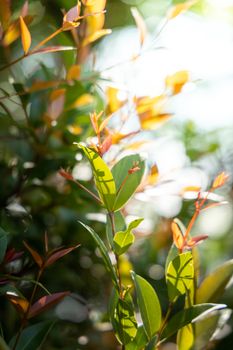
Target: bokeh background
(189, 150)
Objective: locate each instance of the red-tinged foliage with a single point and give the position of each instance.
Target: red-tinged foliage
(66, 175)
(36, 256)
(45, 303)
(54, 256)
(12, 255)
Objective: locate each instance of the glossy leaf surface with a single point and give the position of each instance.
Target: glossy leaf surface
(180, 274)
(148, 304)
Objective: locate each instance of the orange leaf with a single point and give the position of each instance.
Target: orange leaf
(82, 101)
(140, 24)
(75, 129)
(13, 31)
(176, 81)
(25, 35)
(220, 180)
(114, 103)
(94, 23)
(74, 72)
(106, 145)
(95, 36)
(36, 256)
(59, 254)
(21, 304)
(45, 303)
(176, 10)
(104, 123)
(178, 238)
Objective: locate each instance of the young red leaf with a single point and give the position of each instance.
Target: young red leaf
(106, 144)
(70, 19)
(195, 240)
(12, 255)
(59, 254)
(25, 35)
(65, 174)
(178, 238)
(45, 303)
(36, 256)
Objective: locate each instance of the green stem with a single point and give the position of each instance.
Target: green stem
(24, 320)
(112, 220)
(168, 313)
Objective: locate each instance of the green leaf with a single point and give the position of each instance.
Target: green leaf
(3, 244)
(214, 284)
(122, 317)
(172, 254)
(187, 316)
(148, 304)
(139, 341)
(126, 184)
(185, 337)
(124, 239)
(32, 337)
(105, 183)
(103, 250)
(179, 276)
(3, 345)
(119, 226)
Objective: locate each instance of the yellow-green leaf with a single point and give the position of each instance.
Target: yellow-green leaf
(124, 239)
(214, 284)
(103, 177)
(126, 182)
(122, 317)
(179, 276)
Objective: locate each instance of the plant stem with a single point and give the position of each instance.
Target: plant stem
(58, 31)
(169, 310)
(112, 220)
(88, 191)
(24, 320)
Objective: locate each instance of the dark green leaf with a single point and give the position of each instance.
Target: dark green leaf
(33, 336)
(126, 184)
(103, 177)
(214, 284)
(3, 345)
(187, 316)
(122, 317)
(148, 304)
(3, 244)
(180, 274)
(103, 250)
